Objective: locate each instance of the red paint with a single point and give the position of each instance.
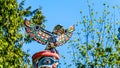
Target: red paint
(45, 53)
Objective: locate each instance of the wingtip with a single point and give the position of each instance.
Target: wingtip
(73, 28)
(26, 22)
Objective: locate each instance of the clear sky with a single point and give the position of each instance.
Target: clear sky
(64, 12)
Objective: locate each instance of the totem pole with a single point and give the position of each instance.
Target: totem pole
(48, 58)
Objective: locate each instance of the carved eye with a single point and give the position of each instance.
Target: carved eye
(47, 61)
(36, 27)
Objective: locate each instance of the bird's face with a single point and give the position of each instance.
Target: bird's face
(58, 30)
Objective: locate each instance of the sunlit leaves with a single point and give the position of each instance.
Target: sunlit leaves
(108, 49)
(99, 45)
(38, 18)
(90, 47)
(11, 38)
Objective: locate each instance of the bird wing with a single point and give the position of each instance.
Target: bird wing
(37, 33)
(62, 39)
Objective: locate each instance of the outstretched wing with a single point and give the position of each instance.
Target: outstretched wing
(37, 33)
(65, 37)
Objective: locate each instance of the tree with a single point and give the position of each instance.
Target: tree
(96, 43)
(12, 16)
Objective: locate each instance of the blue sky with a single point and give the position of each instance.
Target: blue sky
(64, 12)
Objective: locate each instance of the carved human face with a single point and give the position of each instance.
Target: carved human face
(47, 62)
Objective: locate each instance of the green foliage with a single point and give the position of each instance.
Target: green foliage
(11, 38)
(38, 18)
(96, 44)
